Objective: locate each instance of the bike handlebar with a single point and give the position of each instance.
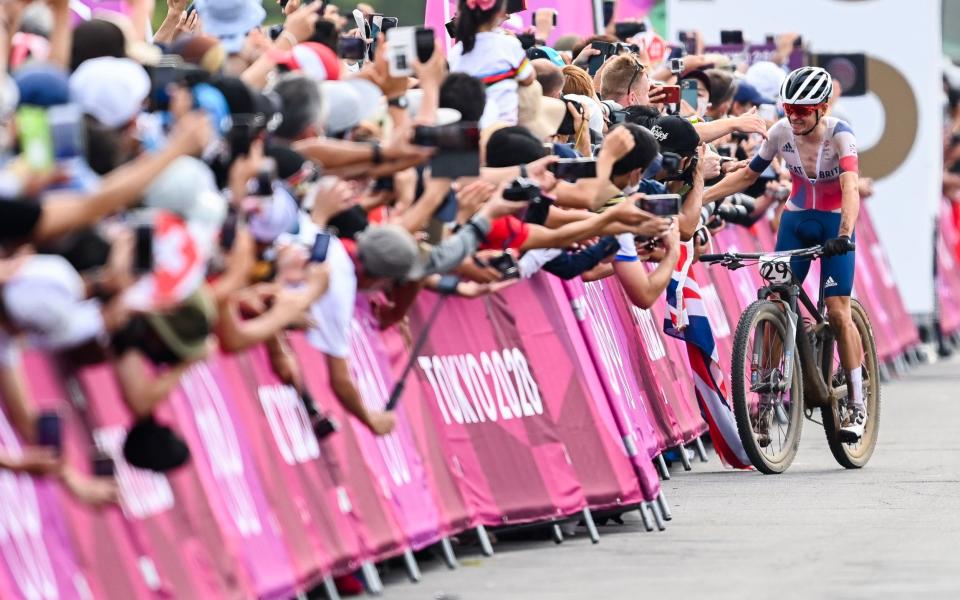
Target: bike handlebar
(811, 252)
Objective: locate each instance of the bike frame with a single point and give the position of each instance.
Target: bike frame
(791, 296)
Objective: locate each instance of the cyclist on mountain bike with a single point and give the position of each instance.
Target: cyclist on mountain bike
(822, 209)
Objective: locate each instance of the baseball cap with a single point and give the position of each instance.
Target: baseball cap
(348, 103)
(313, 59)
(42, 84)
(675, 134)
(389, 251)
(747, 94)
(230, 20)
(512, 146)
(111, 90)
(546, 52)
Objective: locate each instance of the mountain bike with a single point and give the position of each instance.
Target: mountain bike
(785, 365)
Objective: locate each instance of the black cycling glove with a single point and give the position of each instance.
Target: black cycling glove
(838, 246)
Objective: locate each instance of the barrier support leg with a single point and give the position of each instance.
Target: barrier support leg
(662, 467)
(485, 546)
(884, 372)
(701, 451)
(591, 526)
(448, 556)
(413, 569)
(557, 533)
(645, 516)
(330, 588)
(664, 506)
(657, 517)
(372, 577)
(684, 458)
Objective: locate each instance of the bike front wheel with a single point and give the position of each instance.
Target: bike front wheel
(855, 455)
(768, 408)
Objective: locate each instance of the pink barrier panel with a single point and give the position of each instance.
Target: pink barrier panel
(36, 558)
(672, 381)
(178, 545)
(365, 496)
(612, 461)
(571, 17)
(393, 460)
(497, 383)
(614, 358)
(948, 278)
(205, 407)
(293, 465)
(445, 484)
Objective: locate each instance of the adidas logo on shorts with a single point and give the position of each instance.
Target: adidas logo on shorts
(830, 283)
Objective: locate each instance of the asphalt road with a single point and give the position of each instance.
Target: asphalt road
(891, 530)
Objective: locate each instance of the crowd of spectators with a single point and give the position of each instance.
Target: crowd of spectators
(219, 183)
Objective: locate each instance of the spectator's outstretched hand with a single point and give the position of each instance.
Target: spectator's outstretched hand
(751, 122)
(381, 422)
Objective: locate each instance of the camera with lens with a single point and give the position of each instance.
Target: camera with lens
(522, 190)
(736, 209)
(506, 264)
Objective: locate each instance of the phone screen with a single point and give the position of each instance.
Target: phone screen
(401, 49)
(143, 248)
(33, 130)
(352, 48)
(731, 37)
(572, 169)
(426, 44)
(49, 430)
(688, 92)
(321, 244)
(662, 205)
(608, 8)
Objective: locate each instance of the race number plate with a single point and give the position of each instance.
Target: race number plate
(776, 269)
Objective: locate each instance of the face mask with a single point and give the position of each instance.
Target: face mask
(702, 105)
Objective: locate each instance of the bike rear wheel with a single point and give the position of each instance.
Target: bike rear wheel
(856, 455)
(769, 419)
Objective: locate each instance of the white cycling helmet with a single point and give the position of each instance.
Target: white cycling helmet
(807, 85)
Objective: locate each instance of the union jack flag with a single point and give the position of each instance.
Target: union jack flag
(687, 320)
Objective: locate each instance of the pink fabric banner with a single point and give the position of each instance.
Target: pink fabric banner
(174, 545)
(364, 495)
(36, 559)
(572, 17)
(948, 276)
(394, 459)
(614, 469)
(888, 298)
(614, 356)
(205, 409)
(496, 383)
(445, 484)
(320, 536)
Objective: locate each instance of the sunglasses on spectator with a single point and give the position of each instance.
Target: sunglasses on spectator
(801, 110)
(637, 69)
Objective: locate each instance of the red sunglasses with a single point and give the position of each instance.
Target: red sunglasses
(800, 110)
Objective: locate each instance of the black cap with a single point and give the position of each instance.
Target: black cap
(150, 445)
(512, 146)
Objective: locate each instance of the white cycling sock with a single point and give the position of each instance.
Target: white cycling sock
(855, 386)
